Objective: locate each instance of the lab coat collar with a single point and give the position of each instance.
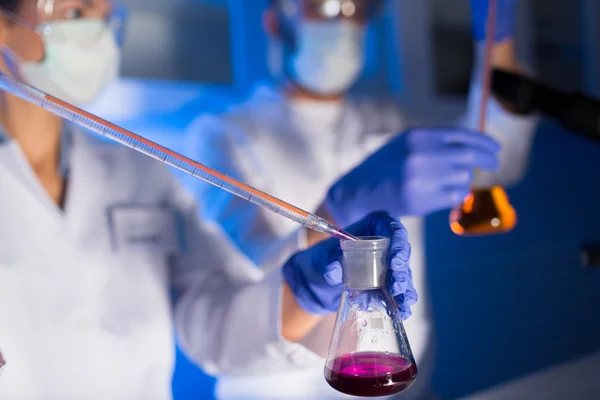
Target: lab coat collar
(89, 171)
(66, 143)
(14, 162)
(80, 159)
(21, 177)
(13, 159)
(266, 91)
(348, 129)
(273, 93)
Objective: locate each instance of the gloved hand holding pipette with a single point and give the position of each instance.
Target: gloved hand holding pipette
(419, 172)
(315, 275)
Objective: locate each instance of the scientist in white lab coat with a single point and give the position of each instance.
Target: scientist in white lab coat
(95, 236)
(297, 137)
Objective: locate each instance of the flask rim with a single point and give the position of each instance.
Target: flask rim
(365, 243)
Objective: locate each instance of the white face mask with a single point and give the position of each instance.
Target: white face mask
(329, 56)
(82, 59)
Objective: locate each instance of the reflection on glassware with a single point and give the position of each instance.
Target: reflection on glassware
(369, 354)
(485, 211)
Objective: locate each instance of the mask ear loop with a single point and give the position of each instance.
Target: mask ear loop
(10, 60)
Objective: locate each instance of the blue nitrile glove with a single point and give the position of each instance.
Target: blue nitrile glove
(315, 275)
(419, 172)
(506, 15)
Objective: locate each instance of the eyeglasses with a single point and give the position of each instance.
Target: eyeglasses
(47, 12)
(361, 10)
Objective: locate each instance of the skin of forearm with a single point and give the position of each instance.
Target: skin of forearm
(295, 322)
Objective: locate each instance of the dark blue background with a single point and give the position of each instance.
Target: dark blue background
(507, 305)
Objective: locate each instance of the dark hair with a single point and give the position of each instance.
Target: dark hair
(10, 5)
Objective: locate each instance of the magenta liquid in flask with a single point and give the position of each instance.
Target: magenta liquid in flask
(369, 354)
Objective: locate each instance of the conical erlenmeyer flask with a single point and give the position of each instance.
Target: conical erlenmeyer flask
(485, 211)
(369, 354)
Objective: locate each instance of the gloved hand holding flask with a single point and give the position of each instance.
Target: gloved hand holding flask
(315, 275)
(419, 172)
(369, 344)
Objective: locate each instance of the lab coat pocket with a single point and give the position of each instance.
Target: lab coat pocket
(144, 239)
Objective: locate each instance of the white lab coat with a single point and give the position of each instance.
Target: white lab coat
(85, 308)
(296, 154)
(2, 362)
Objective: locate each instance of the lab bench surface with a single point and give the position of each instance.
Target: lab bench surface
(578, 379)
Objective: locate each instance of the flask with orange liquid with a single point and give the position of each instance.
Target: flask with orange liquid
(486, 210)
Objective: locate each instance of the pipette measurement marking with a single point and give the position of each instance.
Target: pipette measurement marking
(154, 146)
(171, 158)
(178, 157)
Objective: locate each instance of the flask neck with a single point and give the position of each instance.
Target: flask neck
(365, 264)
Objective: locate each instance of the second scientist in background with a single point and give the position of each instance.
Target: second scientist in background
(299, 137)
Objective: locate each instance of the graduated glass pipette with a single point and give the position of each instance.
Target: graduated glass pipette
(169, 157)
